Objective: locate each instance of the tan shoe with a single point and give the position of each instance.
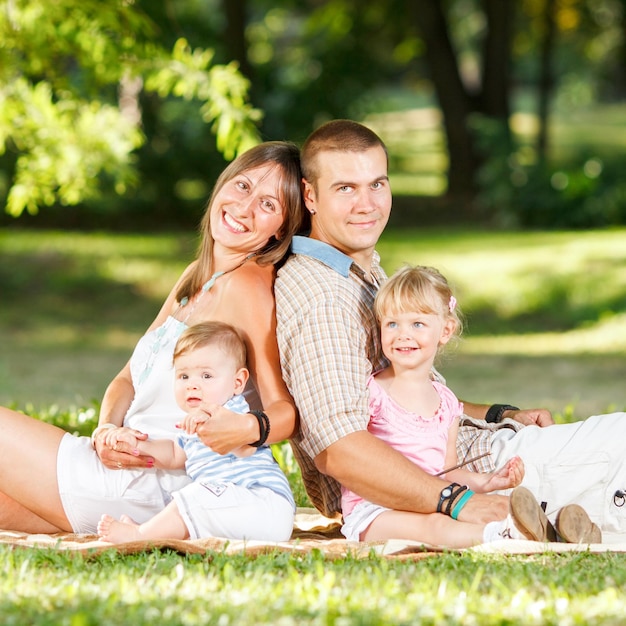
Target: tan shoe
(529, 517)
(574, 525)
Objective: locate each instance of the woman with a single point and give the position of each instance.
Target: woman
(51, 481)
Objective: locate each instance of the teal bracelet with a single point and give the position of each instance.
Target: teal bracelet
(461, 503)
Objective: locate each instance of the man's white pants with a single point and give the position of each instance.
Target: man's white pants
(583, 463)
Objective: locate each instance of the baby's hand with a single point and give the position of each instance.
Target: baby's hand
(115, 436)
(507, 477)
(191, 421)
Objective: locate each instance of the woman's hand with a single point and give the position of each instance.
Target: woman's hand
(116, 448)
(224, 431)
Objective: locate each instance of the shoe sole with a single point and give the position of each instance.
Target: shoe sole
(574, 525)
(529, 517)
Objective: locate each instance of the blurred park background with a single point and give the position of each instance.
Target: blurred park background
(506, 127)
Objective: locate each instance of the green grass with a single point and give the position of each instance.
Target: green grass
(39, 587)
(546, 327)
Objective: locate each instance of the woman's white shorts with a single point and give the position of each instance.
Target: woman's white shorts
(88, 488)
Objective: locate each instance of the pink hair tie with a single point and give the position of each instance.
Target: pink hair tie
(452, 303)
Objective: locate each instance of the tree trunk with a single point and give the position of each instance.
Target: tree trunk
(496, 79)
(546, 81)
(455, 102)
(235, 34)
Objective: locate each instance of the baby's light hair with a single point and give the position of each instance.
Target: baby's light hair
(421, 289)
(218, 334)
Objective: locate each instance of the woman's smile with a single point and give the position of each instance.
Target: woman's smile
(233, 224)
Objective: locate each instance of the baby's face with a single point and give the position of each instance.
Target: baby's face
(207, 375)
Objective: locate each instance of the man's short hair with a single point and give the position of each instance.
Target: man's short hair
(340, 136)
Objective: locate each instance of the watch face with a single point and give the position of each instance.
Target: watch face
(447, 492)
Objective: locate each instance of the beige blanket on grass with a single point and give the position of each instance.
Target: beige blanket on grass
(311, 532)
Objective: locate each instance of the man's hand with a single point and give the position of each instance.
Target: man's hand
(529, 417)
(225, 431)
(122, 455)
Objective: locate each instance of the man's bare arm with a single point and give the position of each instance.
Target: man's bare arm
(539, 417)
(375, 471)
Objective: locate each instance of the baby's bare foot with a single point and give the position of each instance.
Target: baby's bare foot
(109, 529)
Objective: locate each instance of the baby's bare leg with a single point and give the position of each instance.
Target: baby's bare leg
(168, 524)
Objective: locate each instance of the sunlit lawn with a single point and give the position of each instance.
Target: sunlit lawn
(40, 588)
(546, 314)
(546, 311)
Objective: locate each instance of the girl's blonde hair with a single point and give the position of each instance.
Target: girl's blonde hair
(418, 288)
(213, 333)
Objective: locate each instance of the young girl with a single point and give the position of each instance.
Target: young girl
(241, 495)
(419, 417)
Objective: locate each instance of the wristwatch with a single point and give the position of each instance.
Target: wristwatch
(446, 492)
(495, 411)
(449, 494)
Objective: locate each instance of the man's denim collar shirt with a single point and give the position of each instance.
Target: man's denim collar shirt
(328, 255)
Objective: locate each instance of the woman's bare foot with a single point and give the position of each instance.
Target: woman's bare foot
(114, 531)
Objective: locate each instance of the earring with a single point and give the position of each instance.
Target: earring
(312, 211)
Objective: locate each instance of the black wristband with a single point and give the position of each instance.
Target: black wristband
(264, 428)
(447, 496)
(495, 411)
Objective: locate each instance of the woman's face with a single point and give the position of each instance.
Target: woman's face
(247, 211)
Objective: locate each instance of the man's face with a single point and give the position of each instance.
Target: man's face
(351, 201)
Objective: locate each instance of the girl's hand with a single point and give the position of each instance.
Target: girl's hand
(114, 450)
(507, 477)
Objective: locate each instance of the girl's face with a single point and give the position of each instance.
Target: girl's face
(207, 375)
(411, 340)
(247, 211)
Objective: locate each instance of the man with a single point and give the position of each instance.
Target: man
(329, 342)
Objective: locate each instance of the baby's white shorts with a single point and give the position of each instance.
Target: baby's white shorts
(226, 510)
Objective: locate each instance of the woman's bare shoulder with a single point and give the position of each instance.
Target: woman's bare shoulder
(253, 277)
